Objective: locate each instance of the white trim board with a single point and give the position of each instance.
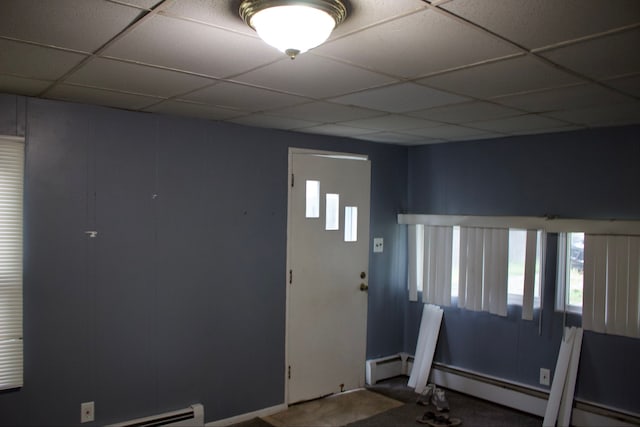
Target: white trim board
(550, 225)
(248, 416)
(523, 397)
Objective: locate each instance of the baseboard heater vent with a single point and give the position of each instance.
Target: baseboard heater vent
(191, 416)
(514, 395)
(386, 367)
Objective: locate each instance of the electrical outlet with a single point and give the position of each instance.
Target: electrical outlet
(378, 244)
(87, 412)
(545, 376)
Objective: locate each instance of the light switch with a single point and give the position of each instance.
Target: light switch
(378, 244)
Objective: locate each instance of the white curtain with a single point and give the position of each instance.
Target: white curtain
(611, 302)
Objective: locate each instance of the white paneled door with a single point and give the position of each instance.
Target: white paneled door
(328, 260)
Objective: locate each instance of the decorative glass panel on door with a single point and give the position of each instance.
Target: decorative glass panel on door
(332, 220)
(313, 199)
(351, 224)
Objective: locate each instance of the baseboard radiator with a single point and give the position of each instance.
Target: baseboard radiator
(386, 367)
(191, 416)
(518, 396)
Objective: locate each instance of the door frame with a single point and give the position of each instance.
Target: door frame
(291, 152)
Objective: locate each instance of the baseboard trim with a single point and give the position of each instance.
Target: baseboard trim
(522, 397)
(248, 416)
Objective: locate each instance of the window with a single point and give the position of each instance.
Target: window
(518, 240)
(492, 267)
(11, 190)
(570, 280)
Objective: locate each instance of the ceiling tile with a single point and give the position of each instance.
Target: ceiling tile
(415, 45)
(394, 138)
(563, 98)
(518, 123)
(193, 47)
(22, 86)
(627, 84)
(110, 74)
(466, 112)
(400, 98)
(59, 23)
(247, 98)
(313, 76)
(448, 132)
(500, 78)
(268, 121)
(144, 4)
(324, 112)
(390, 122)
(100, 97)
(612, 115)
(601, 58)
(224, 13)
(180, 108)
(336, 130)
(221, 13)
(36, 62)
(365, 13)
(534, 24)
(563, 128)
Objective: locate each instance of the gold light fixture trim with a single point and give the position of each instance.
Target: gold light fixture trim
(289, 30)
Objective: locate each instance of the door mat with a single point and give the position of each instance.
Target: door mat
(334, 411)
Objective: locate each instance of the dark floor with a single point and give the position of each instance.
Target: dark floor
(472, 411)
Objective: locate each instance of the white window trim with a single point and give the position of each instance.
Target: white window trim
(550, 225)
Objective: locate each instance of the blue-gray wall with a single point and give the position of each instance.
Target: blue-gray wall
(585, 174)
(181, 296)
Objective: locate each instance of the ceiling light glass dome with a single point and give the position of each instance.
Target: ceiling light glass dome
(293, 27)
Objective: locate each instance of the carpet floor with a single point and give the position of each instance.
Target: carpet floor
(472, 411)
(334, 411)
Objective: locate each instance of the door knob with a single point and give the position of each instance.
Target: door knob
(363, 275)
(364, 287)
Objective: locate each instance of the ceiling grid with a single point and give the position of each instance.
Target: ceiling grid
(396, 71)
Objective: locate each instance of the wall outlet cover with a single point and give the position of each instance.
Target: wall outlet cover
(545, 376)
(378, 244)
(87, 412)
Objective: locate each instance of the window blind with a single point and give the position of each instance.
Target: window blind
(11, 191)
(437, 265)
(529, 274)
(611, 300)
(484, 262)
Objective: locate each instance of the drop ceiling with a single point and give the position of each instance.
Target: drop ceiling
(396, 71)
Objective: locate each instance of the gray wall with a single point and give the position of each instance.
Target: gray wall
(586, 174)
(181, 297)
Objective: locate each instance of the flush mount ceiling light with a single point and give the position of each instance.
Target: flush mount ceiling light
(293, 26)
